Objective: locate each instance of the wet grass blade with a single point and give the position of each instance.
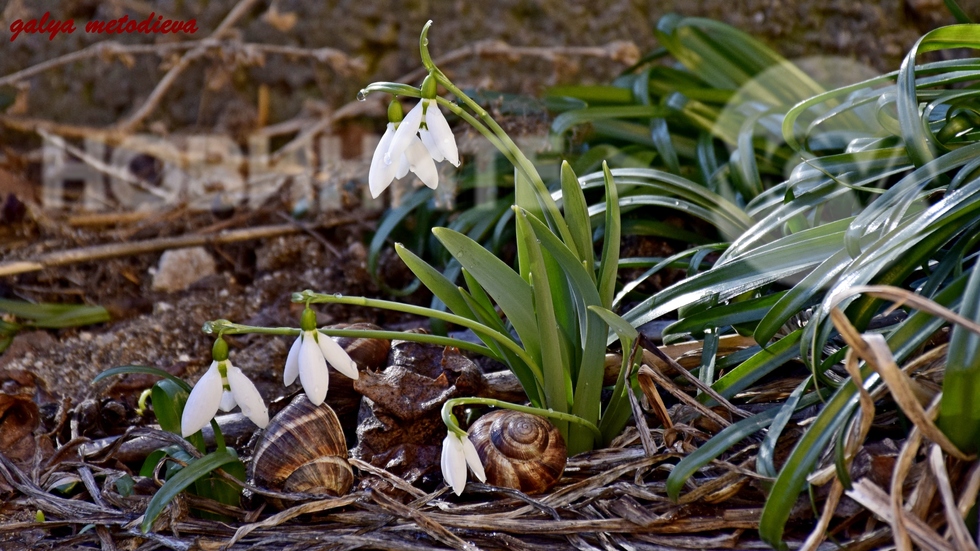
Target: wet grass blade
(960, 410)
(576, 212)
(609, 263)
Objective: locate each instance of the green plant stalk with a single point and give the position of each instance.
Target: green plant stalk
(506, 144)
(321, 298)
(230, 328)
(449, 419)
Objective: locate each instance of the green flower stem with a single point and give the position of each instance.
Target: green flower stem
(414, 337)
(229, 328)
(477, 327)
(449, 419)
(479, 126)
(503, 142)
(514, 154)
(141, 403)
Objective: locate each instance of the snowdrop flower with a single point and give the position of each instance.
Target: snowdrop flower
(413, 143)
(223, 386)
(458, 453)
(308, 358)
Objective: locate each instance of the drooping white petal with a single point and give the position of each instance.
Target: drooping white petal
(381, 173)
(202, 403)
(337, 356)
(402, 170)
(227, 402)
(453, 463)
(292, 362)
(407, 129)
(442, 135)
(421, 163)
(313, 370)
(248, 397)
(473, 460)
(434, 151)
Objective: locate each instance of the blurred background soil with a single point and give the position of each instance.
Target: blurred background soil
(383, 38)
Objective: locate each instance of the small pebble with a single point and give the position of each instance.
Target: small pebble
(179, 269)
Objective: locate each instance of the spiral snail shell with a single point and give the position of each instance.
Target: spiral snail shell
(302, 450)
(519, 450)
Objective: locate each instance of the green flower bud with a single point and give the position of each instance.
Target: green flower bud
(219, 352)
(395, 113)
(308, 321)
(429, 87)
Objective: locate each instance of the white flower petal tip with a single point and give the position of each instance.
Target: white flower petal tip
(337, 356)
(434, 150)
(473, 460)
(203, 402)
(248, 397)
(442, 135)
(421, 163)
(313, 370)
(453, 463)
(228, 402)
(381, 172)
(291, 371)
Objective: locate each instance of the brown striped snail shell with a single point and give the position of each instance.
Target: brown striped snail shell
(302, 450)
(519, 450)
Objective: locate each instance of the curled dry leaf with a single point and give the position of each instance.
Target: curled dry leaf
(401, 429)
(19, 418)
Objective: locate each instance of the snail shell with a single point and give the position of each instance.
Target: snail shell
(519, 450)
(302, 450)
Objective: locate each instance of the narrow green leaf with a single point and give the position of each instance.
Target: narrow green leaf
(168, 404)
(434, 281)
(506, 287)
(476, 292)
(180, 481)
(720, 443)
(588, 386)
(622, 328)
(610, 242)
(568, 119)
(765, 463)
(903, 341)
(957, 12)
(150, 463)
(727, 314)
(576, 212)
(759, 365)
(960, 409)
(533, 387)
(557, 382)
(141, 369)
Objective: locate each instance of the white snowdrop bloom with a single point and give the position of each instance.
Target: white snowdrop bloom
(223, 386)
(437, 136)
(308, 359)
(458, 453)
(414, 144)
